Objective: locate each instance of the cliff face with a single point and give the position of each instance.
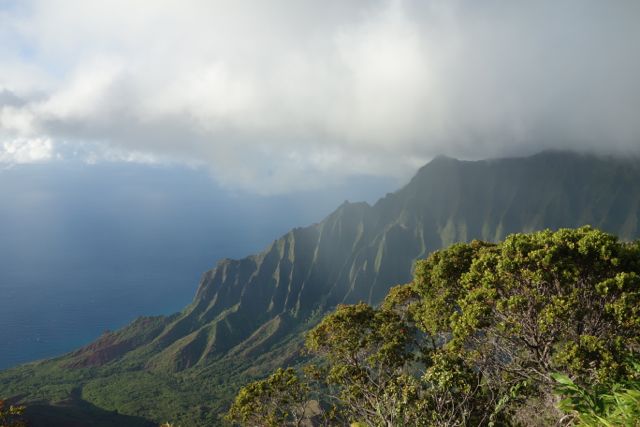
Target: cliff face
(359, 251)
(246, 308)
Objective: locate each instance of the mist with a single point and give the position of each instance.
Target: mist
(287, 95)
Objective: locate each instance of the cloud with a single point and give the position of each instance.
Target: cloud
(275, 96)
(25, 151)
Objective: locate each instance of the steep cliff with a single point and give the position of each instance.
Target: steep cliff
(249, 315)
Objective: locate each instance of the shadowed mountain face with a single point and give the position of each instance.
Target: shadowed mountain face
(248, 314)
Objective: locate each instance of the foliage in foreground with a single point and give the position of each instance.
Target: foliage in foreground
(279, 400)
(617, 404)
(476, 339)
(11, 416)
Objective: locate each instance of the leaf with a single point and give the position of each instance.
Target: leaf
(562, 379)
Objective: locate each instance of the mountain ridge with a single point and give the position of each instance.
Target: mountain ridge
(249, 314)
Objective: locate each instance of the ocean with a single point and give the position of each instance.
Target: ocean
(88, 248)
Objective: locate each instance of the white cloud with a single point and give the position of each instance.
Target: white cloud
(25, 151)
(85, 95)
(278, 95)
(16, 120)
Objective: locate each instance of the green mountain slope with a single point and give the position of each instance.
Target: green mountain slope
(248, 315)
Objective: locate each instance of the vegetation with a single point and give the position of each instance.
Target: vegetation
(609, 405)
(250, 316)
(280, 400)
(481, 336)
(11, 416)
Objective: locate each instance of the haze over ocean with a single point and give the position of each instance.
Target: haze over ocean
(90, 248)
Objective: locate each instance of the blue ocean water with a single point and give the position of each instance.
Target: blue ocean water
(84, 249)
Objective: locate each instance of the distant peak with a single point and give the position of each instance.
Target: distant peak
(350, 208)
(438, 160)
(347, 203)
(443, 158)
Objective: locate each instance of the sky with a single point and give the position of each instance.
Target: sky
(273, 97)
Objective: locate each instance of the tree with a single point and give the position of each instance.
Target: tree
(279, 400)
(482, 331)
(565, 301)
(368, 353)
